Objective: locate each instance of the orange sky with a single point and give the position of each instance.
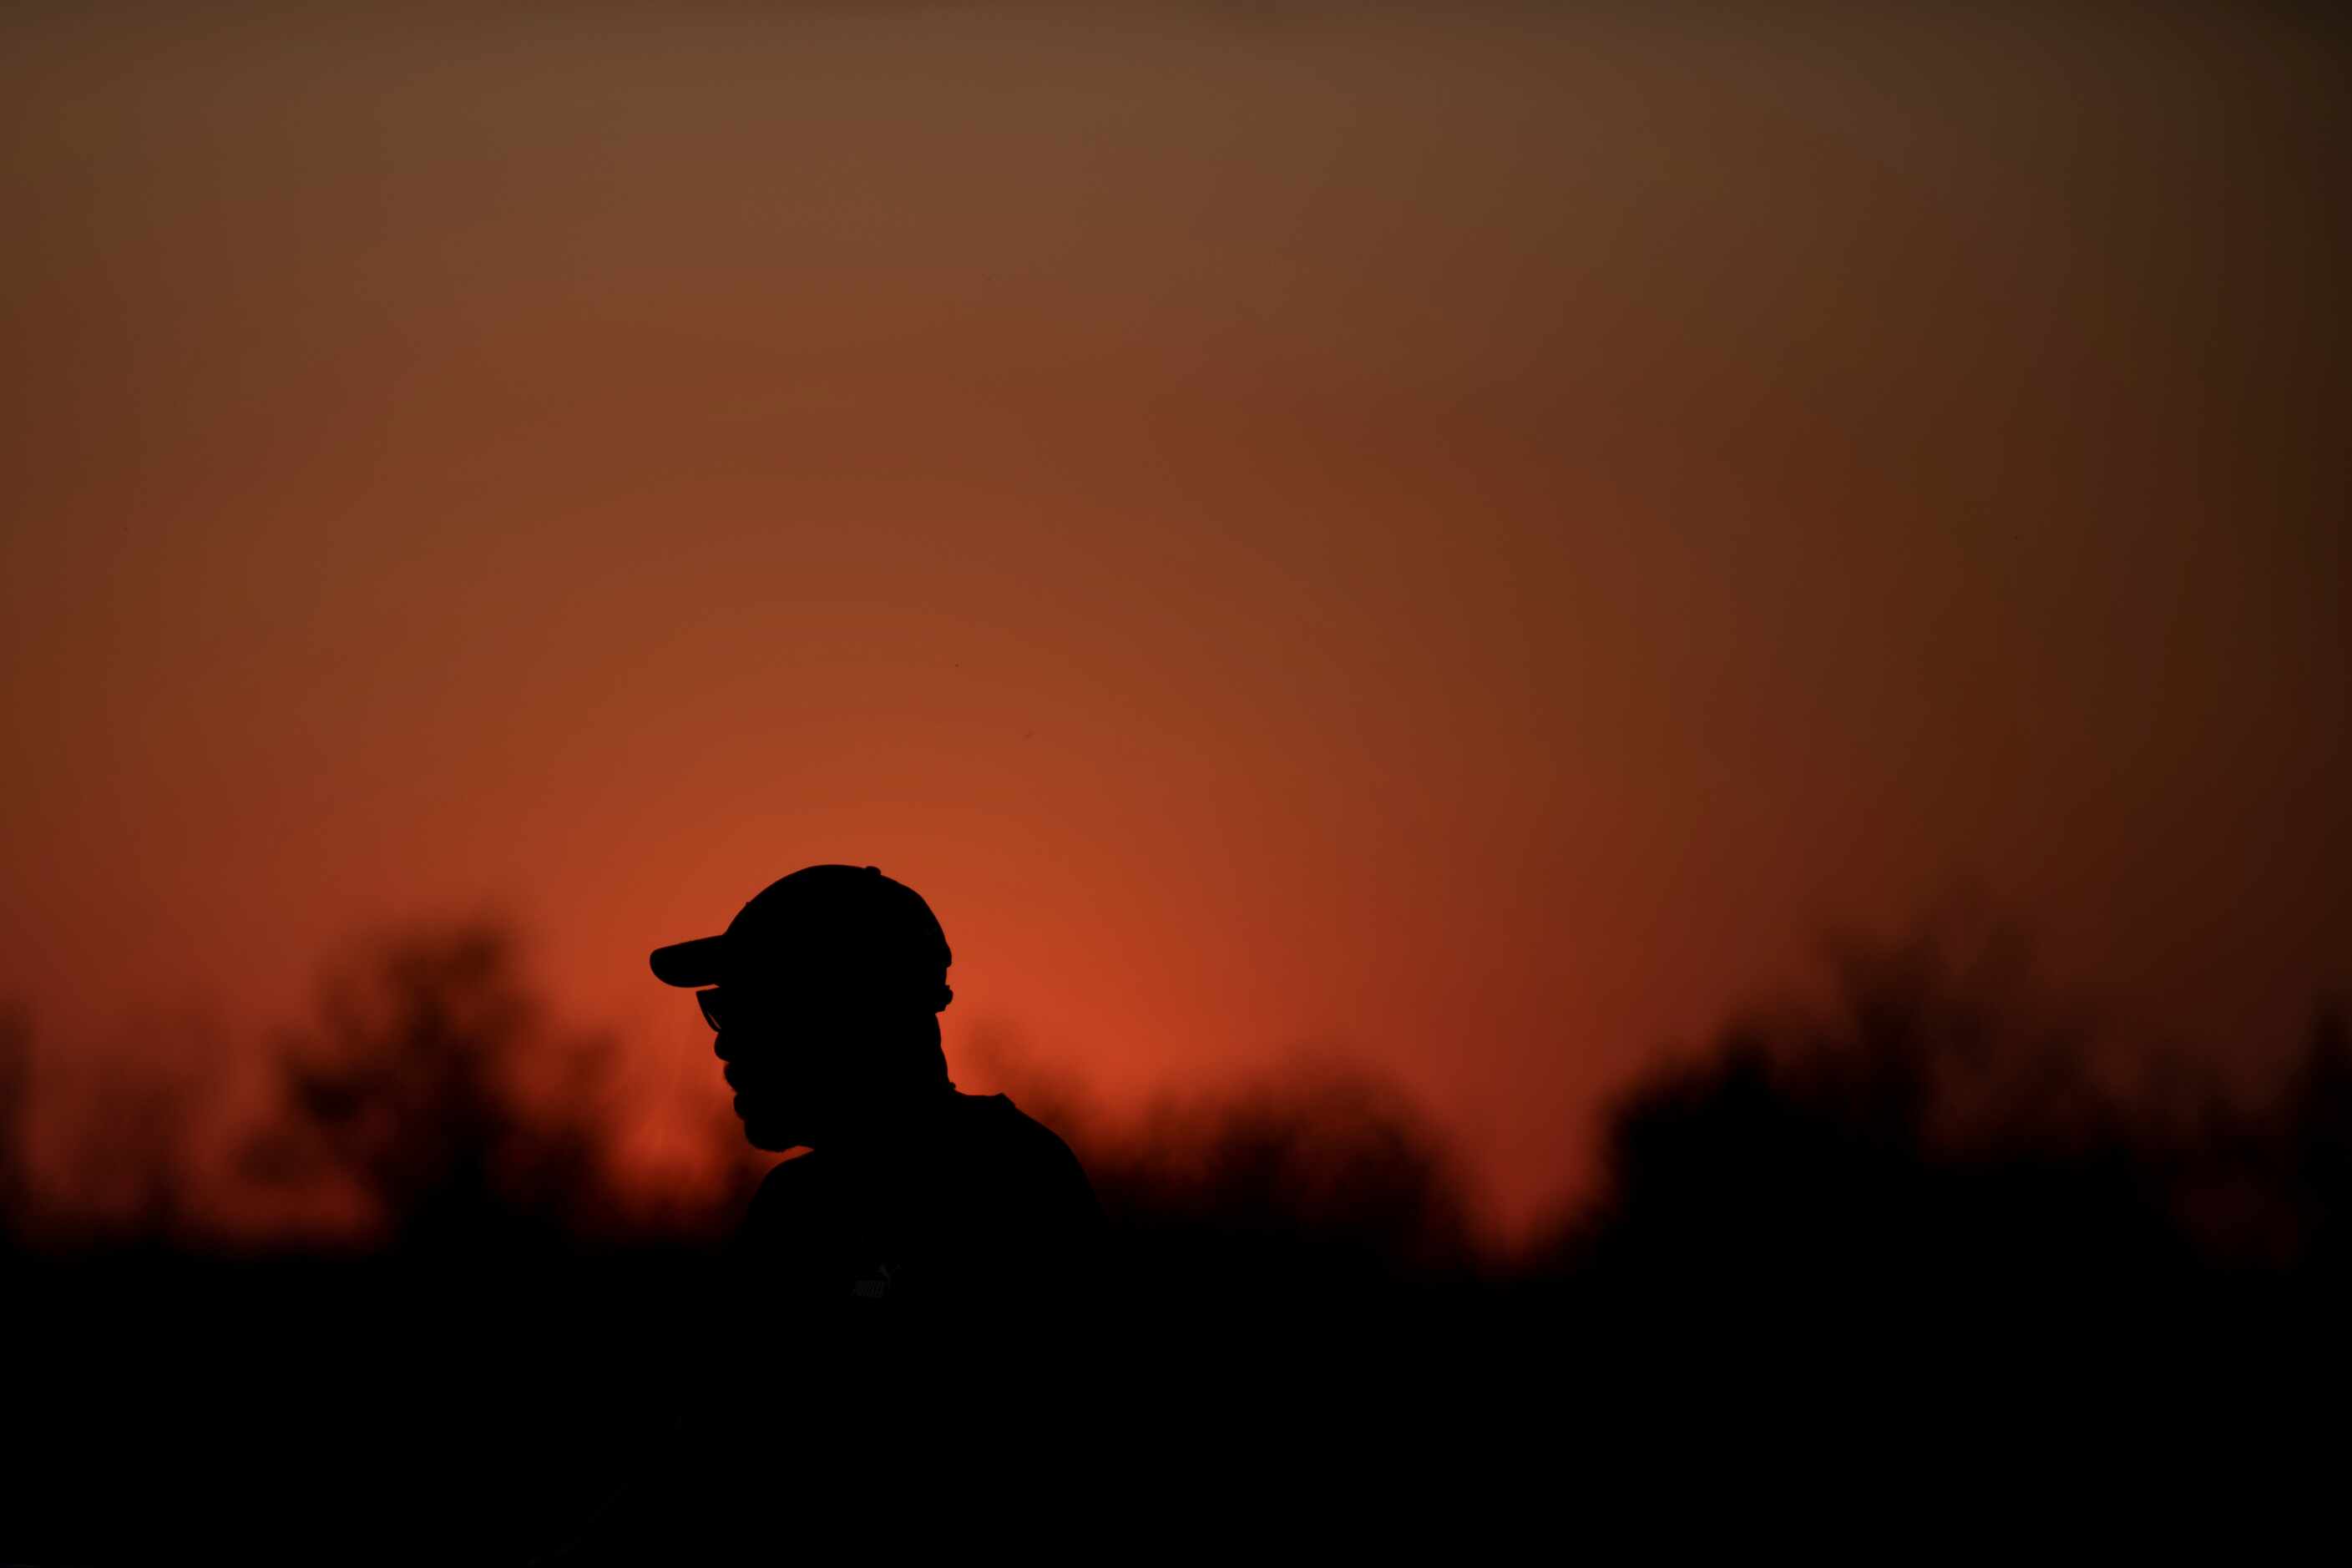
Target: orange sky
(1460, 542)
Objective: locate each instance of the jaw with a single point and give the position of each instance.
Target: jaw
(762, 1128)
(792, 1114)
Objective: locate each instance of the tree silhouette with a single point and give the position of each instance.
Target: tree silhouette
(1325, 1180)
(432, 1093)
(16, 1120)
(1932, 1146)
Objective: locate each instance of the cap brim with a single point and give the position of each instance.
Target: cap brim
(696, 963)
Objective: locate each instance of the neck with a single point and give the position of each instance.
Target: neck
(890, 1126)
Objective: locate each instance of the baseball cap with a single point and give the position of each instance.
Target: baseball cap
(832, 921)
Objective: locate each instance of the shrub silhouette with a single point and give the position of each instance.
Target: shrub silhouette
(16, 1120)
(2318, 1145)
(433, 1095)
(1926, 1148)
(1326, 1180)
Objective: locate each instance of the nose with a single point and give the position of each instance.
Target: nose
(719, 1046)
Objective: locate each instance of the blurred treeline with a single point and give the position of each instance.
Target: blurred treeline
(1938, 1120)
(480, 1299)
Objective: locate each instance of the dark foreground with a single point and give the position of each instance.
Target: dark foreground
(600, 1408)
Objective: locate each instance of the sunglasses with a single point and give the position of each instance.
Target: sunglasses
(723, 1009)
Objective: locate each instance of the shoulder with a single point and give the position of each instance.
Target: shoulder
(995, 1119)
(792, 1182)
(1004, 1135)
(794, 1172)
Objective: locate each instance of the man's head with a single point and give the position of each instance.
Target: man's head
(825, 990)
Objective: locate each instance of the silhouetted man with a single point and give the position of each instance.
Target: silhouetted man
(912, 1198)
(907, 1298)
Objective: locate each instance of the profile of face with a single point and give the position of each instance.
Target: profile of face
(811, 1061)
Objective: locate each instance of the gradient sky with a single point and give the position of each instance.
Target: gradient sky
(1464, 542)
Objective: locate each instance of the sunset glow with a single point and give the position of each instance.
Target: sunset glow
(1460, 544)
